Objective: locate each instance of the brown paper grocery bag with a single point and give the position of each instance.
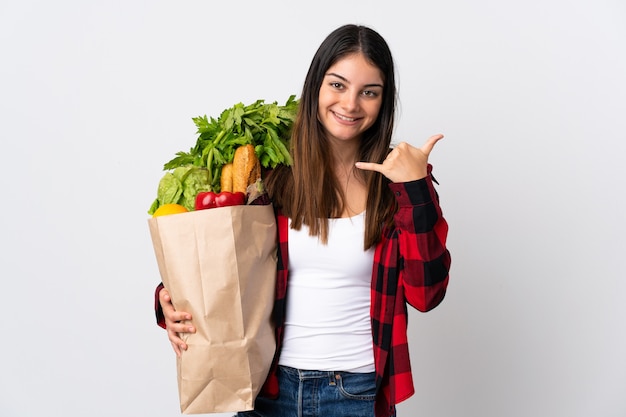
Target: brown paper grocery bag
(219, 265)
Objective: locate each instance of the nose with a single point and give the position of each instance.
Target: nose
(350, 101)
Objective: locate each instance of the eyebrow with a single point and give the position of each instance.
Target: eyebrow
(346, 80)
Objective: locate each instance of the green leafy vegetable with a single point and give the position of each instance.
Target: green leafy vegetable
(181, 186)
(266, 126)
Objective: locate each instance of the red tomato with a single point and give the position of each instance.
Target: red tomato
(209, 199)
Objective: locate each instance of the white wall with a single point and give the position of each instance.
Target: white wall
(96, 96)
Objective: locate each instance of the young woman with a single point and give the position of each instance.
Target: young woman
(361, 235)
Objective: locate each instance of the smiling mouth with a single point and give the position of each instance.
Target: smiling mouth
(344, 118)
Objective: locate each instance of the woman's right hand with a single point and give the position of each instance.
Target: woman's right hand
(173, 322)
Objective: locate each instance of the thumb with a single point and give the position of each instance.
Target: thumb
(430, 143)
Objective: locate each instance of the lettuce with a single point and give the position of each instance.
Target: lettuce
(181, 186)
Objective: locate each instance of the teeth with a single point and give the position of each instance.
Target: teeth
(347, 119)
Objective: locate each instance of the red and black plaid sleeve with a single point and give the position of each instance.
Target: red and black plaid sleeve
(422, 233)
(411, 265)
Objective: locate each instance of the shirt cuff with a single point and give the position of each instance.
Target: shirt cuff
(412, 193)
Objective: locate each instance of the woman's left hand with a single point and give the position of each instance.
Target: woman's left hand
(405, 162)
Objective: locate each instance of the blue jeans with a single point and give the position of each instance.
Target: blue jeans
(318, 394)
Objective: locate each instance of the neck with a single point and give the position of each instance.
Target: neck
(345, 157)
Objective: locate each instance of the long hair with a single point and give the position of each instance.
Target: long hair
(308, 191)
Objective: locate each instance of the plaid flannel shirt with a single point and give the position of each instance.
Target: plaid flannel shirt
(411, 264)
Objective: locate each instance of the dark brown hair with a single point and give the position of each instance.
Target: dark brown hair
(308, 191)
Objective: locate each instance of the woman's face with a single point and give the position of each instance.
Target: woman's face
(350, 98)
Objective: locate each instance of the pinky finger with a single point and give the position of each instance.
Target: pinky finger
(177, 349)
(369, 166)
(177, 344)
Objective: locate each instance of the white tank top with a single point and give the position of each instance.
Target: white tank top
(328, 325)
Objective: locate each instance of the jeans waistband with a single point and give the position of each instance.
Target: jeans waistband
(309, 374)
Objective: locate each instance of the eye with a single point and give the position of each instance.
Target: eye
(370, 93)
(336, 84)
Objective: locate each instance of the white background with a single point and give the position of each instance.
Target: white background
(96, 96)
